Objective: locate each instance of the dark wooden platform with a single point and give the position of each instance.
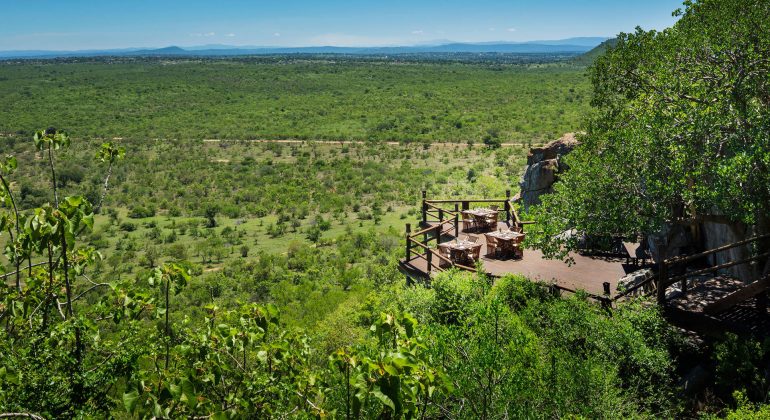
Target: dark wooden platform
(687, 311)
(587, 273)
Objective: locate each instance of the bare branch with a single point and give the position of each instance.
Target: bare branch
(21, 415)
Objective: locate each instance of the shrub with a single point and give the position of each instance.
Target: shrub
(127, 227)
(455, 296)
(141, 212)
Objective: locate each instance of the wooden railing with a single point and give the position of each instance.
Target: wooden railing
(433, 233)
(432, 210)
(664, 277)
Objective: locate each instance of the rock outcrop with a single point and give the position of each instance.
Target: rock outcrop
(543, 167)
(717, 234)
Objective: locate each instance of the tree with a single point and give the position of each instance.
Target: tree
(109, 154)
(492, 138)
(151, 255)
(55, 361)
(680, 134)
(211, 214)
(49, 140)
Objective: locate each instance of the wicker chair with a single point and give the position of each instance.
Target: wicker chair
(445, 252)
(474, 254)
(469, 222)
(472, 238)
(517, 250)
(490, 222)
(492, 246)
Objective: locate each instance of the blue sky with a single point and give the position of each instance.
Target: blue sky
(98, 24)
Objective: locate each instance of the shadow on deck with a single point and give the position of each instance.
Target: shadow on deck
(588, 273)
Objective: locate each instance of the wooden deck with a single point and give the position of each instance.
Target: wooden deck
(709, 304)
(745, 318)
(587, 273)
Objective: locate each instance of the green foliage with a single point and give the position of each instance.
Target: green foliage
(51, 138)
(516, 349)
(332, 98)
(742, 363)
(454, 294)
(60, 356)
(399, 381)
(745, 410)
(140, 212)
(109, 153)
(680, 129)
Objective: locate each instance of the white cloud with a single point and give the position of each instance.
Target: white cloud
(277, 34)
(511, 29)
(418, 32)
(230, 35)
(492, 29)
(204, 34)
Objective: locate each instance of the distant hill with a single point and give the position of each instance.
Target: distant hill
(571, 46)
(589, 57)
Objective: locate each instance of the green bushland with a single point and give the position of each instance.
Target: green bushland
(211, 203)
(279, 334)
(328, 99)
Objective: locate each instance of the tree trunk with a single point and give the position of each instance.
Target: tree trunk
(104, 189)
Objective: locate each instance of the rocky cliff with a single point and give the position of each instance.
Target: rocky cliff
(543, 167)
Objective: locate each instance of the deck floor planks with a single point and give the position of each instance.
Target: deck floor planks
(587, 273)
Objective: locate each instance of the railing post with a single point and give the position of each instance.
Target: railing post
(440, 215)
(661, 289)
(466, 205)
(457, 221)
(606, 285)
(429, 257)
(408, 242)
(438, 233)
(424, 208)
(683, 286)
(508, 207)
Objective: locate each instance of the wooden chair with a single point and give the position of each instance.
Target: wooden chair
(518, 250)
(458, 255)
(480, 222)
(490, 222)
(474, 253)
(492, 246)
(469, 222)
(445, 252)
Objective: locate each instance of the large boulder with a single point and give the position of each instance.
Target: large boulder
(543, 167)
(671, 241)
(713, 233)
(717, 234)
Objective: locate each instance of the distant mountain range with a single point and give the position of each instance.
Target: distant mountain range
(570, 45)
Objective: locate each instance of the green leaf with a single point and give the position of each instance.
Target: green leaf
(129, 401)
(383, 398)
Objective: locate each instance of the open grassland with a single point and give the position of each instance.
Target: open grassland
(301, 99)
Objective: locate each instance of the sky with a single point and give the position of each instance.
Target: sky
(103, 24)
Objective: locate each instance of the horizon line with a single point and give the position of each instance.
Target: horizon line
(437, 42)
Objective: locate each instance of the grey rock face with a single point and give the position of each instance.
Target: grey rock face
(543, 167)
